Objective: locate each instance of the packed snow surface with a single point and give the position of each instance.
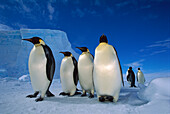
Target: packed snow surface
(151, 99)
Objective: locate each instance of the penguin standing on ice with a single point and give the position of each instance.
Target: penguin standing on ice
(41, 68)
(107, 72)
(131, 77)
(128, 79)
(140, 77)
(68, 74)
(85, 71)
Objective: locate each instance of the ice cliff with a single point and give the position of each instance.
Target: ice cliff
(15, 52)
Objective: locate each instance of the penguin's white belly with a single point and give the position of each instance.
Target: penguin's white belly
(66, 76)
(37, 69)
(85, 70)
(128, 81)
(141, 78)
(107, 79)
(107, 74)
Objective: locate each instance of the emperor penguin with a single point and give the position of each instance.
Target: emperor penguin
(140, 77)
(128, 79)
(68, 74)
(131, 77)
(41, 68)
(85, 71)
(107, 72)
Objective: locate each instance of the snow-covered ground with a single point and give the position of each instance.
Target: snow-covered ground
(151, 99)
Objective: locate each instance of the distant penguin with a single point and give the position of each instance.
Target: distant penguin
(85, 71)
(140, 77)
(68, 74)
(107, 72)
(131, 77)
(128, 79)
(41, 68)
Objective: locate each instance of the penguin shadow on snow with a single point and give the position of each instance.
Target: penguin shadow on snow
(130, 96)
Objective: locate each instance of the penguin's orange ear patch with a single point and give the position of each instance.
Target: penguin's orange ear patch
(40, 40)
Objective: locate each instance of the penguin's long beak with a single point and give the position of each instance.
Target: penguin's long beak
(80, 48)
(62, 53)
(30, 40)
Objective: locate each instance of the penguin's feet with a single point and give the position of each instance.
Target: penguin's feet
(84, 94)
(39, 99)
(109, 98)
(132, 86)
(63, 93)
(91, 95)
(101, 99)
(33, 96)
(77, 93)
(49, 94)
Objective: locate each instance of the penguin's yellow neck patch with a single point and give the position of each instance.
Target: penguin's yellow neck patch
(103, 43)
(36, 45)
(41, 42)
(85, 52)
(69, 56)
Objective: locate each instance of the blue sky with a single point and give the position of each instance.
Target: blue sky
(138, 29)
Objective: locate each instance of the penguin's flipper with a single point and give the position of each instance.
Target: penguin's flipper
(49, 94)
(50, 66)
(75, 73)
(119, 66)
(33, 96)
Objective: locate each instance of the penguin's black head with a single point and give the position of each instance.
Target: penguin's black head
(83, 49)
(67, 53)
(35, 40)
(138, 68)
(103, 38)
(130, 68)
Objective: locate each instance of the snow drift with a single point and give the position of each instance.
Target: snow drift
(15, 52)
(158, 88)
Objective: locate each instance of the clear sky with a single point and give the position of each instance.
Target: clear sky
(138, 29)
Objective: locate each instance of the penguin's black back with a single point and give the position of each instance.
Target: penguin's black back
(131, 76)
(50, 65)
(75, 72)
